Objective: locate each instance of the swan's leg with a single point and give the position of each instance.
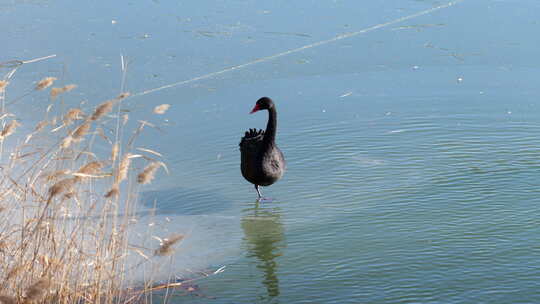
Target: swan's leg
(260, 198)
(258, 191)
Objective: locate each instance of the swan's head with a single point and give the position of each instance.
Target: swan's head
(264, 103)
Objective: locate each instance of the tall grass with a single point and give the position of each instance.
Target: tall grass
(66, 206)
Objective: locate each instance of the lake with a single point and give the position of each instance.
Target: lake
(412, 147)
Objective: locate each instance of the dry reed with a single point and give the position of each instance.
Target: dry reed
(73, 114)
(3, 85)
(91, 168)
(9, 129)
(37, 291)
(88, 170)
(44, 83)
(147, 175)
(114, 192)
(114, 152)
(103, 109)
(42, 124)
(58, 243)
(123, 168)
(161, 109)
(81, 131)
(63, 186)
(165, 247)
(123, 95)
(57, 91)
(125, 119)
(52, 176)
(7, 299)
(66, 142)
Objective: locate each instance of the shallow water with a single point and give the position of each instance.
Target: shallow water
(412, 149)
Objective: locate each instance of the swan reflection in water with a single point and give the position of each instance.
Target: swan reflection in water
(264, 239)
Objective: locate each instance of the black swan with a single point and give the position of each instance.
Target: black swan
(262, 163)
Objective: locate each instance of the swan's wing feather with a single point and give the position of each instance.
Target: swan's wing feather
(252, 139)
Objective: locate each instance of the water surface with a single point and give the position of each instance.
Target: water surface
(412, 150)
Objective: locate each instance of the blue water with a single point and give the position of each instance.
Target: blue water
(412, 150)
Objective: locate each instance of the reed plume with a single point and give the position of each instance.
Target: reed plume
(73, 114)
(3, 85)
(103, 109)
(57, 91)
(121, 174)
(91, 168)
(81, 131)
(9, 129)
(66, 142)
(147, 175)
(161, 109)
(114, 192)
(125, 119)
(45, 83)
(114, 152)
(165, 247)
(62, 186)
(123, 168)
(107, 106)
(123, 95)
(40, 125)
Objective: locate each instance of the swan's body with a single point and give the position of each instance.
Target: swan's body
(262, 163)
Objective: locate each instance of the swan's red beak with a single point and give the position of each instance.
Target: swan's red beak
(255, 109)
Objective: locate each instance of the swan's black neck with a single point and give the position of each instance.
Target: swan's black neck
(271, 126)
